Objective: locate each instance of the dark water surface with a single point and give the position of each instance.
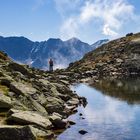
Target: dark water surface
(112, 113)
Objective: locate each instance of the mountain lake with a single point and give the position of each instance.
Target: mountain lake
(112, 112)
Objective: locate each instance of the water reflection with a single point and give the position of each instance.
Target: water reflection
(107, 118)
(127, 90)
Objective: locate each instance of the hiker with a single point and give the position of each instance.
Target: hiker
(50, 65)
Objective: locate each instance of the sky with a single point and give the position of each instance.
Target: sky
(88, 20)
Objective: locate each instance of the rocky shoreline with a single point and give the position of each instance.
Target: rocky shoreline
(34, 103)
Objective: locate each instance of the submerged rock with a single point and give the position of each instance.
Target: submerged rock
(80, 114)
(83, 132)
(72, 123)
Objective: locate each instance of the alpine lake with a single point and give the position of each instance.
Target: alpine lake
(112, 112)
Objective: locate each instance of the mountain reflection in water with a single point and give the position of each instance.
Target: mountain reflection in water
(126, 90)
(112, 112)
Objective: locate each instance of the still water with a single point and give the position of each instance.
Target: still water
(112, 112)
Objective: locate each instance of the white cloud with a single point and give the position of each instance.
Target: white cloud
(111, 14)
(90, 10)
(111, 111)
(108, 31)
(16, 34)
(69, 28)
(1, 34)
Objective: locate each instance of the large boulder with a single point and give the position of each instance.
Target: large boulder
(16, 133)
(37, 106)
(23, 133)
(44, 81)
(5, 101)
(54, 104)
(28, 117)
(22, 88)
(65, 97)
(58, 122)
(42, 134)
(73, 101)
(62, 89)
(6, 80)
(20, 68)
(54, 90)
(70, 109)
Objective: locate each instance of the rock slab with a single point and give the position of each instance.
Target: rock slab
(29, 117)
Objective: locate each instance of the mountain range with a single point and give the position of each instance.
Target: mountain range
(36, 54)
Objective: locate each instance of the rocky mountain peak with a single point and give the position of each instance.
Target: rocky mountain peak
(99, 43)
(54, 40)
(73, 39)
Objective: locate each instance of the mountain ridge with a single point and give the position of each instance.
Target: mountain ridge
(116, 59)
(36, 54)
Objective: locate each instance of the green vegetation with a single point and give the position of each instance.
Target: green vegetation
(4, 89)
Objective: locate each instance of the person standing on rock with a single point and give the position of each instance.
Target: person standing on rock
(50, 65)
